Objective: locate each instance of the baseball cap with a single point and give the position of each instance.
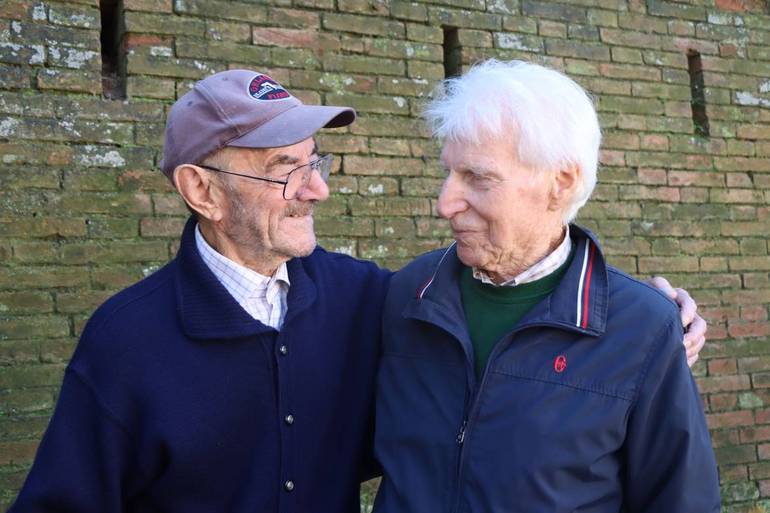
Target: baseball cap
(241, 108)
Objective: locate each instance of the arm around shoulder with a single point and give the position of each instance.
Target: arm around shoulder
(670, 465)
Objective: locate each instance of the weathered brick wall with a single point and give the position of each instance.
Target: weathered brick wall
(84, 211)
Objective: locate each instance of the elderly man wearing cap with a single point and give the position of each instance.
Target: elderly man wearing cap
(239, 377)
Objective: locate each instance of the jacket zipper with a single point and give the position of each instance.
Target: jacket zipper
(471, 413)
(461, 434)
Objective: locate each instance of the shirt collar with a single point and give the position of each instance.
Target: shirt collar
(239, 280)
(543, 268)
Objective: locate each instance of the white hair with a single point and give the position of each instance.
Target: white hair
(549, 117)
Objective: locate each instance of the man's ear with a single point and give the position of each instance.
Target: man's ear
(199, 191)
(564, 185)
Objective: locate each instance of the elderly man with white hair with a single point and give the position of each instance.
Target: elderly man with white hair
(520, 371)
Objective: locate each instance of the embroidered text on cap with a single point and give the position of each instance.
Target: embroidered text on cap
(263, 87)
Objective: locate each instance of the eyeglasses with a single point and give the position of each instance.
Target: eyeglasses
(296, 180)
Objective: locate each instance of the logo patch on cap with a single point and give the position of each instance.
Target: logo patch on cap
(265, 88)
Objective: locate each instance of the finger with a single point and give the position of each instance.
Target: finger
(691, 361)
(697, 328)
(694, 348)
(687, 307)
(659, 282)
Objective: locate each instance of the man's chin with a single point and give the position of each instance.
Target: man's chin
(468, 256)
(307, 251)
(304, 248)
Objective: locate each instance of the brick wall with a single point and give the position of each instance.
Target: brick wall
(683, 90)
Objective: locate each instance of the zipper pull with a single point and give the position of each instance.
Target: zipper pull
(461, 435)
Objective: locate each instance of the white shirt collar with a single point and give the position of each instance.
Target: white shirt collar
(263, 297)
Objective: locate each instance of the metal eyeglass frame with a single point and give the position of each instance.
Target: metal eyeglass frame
(323, 164)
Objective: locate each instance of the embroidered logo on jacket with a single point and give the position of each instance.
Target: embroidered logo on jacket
(560, 363)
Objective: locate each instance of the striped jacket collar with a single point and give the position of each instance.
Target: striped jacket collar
(579, 303)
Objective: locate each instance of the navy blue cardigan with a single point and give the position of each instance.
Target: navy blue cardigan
(176, 400)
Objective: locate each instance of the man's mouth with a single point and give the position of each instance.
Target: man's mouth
(299, 212)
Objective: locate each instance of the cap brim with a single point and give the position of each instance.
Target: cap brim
(294, 125)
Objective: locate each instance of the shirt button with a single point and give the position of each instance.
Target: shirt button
(283, 350)
(289, 485)
(289, 419)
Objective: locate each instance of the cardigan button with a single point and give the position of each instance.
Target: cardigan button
(289, 485)
(283, 350)
(289, 419)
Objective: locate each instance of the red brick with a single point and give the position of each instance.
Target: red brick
(733, 473)
(18, 452)
(764, 488)
(713, 314)
(722, 366)
(650, 176)
(723, 383)
(728, 50)
(135, 40)
(736, 454)
(754, 313)
(654, 142)
(763, 416)
(292, 38)
(754, 434)
(612, 158)
(754, 363)
(761, 380)
(684, 178)
(722, 402)
(717, 332)
(148, 5)
(741, 5)
(741, 329)
(15, 9)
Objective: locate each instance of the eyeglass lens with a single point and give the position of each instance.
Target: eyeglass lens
(301, 176)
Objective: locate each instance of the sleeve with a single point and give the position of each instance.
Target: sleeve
(670, 465)
(371, 467)
(81, 462)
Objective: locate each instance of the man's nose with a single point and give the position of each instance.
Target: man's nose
(450, 200)
(315, 190)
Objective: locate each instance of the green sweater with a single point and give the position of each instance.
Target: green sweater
(491, 311)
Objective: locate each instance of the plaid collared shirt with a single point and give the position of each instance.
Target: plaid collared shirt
(543, 268)
(263, 297)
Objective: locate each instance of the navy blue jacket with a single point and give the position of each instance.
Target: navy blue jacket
(587, 405)
(176, 400)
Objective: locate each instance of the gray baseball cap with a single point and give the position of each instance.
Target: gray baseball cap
(241, 108)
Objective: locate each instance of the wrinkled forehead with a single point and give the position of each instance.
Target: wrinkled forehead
(490, 151)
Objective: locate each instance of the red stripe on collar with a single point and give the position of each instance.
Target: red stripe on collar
(587, 287)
